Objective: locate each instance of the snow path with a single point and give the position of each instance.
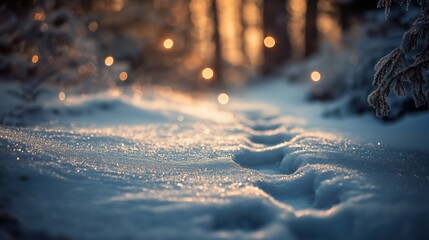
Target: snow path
(410, 132)
(257, 175)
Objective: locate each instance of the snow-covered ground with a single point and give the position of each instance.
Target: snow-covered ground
(168, 165)
(410, 132)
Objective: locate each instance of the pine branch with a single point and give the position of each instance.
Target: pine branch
(413, 74)
(418, 31)
(388, 3)
(418, 65)
(387, 65)
(393, 69)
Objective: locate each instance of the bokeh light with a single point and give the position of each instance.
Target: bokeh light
(118, 5)
(123, 76)
(39, 15)
(109, 61)
(269, 42)
(93, 26)
(168, 43)
(207, 73)
(62, 96)
(223, 98)
(315, 76)
(35, 58)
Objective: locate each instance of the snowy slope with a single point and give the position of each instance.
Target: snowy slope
(409, 133)
(193, 169)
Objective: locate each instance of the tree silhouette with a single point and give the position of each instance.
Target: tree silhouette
(218, 44)
(275, 18)
(311, 31)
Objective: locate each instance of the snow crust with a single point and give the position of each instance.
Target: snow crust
(244, 171)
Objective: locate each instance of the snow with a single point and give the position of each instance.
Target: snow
(264, 166)
(290, 100)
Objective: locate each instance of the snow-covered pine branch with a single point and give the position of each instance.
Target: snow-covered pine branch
(394, 69)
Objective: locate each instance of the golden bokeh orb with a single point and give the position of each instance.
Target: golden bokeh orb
(168, 43)
(223, 98)
(269, 42)
(207, 73)
(35, 58)
(109, 60)
(315, 76)
(123, 76)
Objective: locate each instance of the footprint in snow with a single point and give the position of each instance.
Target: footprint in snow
(267, 160)
(273, 137)
(270, 139)
(313, 188)
(298, 169)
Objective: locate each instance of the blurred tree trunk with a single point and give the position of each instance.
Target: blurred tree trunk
(274, 24)
(218, 81)
(244, 26)
(189, 29)
(311, 32)
(344, 16)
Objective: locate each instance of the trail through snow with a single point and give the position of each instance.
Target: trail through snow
(242, 173)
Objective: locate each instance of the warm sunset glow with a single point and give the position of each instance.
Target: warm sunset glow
(203, 27)
(62, 96)
(253, 33)
(93, 26)
(269, 42)
(230, 30)
(109, 61)
(35, 58)
(223, 98)
(207, 73)
(168, 43)
(296, 25)
(116, 92)
(123, 76)
(326, 23)
(117, 5)
(315, 76)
